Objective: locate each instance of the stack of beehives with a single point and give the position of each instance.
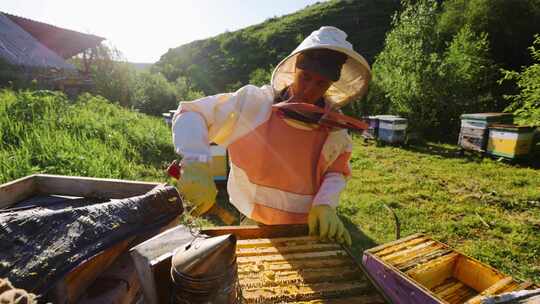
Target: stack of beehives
(495, 134)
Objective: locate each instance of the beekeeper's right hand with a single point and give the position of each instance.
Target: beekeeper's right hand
(197, 186)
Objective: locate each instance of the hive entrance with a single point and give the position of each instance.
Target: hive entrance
(300, 270)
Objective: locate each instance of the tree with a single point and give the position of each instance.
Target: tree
(526, 104)
(113, 77)
(260, 76)
(426, 79)
(510, 26)
(153, 94)
(403, 73)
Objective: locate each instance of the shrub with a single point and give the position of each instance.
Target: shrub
(526, 104)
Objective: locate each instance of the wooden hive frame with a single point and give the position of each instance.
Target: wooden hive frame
(418, 269)
(258, 244)
(297, 267)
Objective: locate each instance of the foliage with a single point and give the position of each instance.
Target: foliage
(42, 131)
(134, 87)
(428, 80)
(526, 104)
(260, 76)
(154, 94)
(113, 77)
(230, 60)
(450, 198)
(510, 26)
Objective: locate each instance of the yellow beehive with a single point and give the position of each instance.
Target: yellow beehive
(510, 141)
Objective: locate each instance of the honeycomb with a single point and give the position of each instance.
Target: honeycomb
(300, 270)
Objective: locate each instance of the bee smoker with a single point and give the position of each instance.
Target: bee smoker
(205, 271)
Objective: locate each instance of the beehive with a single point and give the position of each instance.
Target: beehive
(510, 141)
(474, 129)
(391, 129)
(300, 270)
(418, 269)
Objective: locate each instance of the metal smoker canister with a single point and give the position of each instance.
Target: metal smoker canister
(205, 271)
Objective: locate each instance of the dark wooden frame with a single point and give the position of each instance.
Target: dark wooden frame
(75, 283)
(23, 188)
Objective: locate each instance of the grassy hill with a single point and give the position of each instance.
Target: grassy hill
(226, 61)
(44, 132)
(485, 208)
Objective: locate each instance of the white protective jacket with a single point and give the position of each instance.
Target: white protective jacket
(278, 170)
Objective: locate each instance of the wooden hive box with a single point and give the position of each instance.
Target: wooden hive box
(418, 269)
(276, 264)
(510, 141)
(391, 129)
(474, 129)
(50, 191)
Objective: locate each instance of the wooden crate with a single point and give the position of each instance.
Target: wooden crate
(418, 269)
(277, 264)
(36, 190)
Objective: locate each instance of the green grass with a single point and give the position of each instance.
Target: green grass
(484, 208)
(44, 132)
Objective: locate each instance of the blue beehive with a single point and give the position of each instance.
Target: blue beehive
(392, 129)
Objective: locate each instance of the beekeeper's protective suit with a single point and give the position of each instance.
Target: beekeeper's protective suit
(281, 170)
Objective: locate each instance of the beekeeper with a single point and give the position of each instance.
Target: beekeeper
(285, 167)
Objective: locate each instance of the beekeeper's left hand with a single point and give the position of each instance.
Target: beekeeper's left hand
(324, 222)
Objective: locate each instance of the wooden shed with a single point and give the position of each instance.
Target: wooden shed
(37, 50)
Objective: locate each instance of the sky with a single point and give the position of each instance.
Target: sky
(143, 30)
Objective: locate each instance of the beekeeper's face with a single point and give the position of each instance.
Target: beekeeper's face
(309, 86)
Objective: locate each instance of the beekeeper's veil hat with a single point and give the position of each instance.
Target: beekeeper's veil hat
(353, 77)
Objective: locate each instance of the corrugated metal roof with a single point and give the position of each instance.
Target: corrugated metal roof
(19, 48)
(64, 42)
